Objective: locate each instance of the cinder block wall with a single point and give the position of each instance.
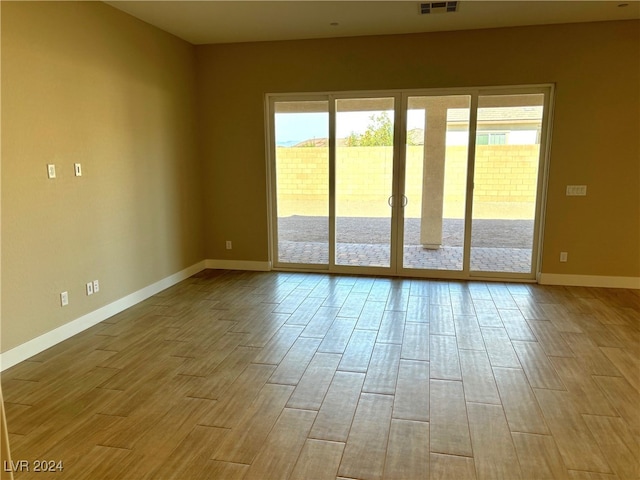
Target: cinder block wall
(504, 174)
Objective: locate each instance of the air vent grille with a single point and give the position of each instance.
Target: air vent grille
(438, 7)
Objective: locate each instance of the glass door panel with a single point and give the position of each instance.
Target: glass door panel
(302, 182)
(507, 159)
(364, 181)
(437, 132)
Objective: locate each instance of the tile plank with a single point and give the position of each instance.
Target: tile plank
(468, 332)
(365, 451)
(382, 373)
(441, 320)
(319, 460)
(278, 456)
(337, 410)
(447, 467)
(444, 361)
(392, 327)
(448, 426)
(371, 316)
(477, 378)
(358, 352)
(415, 343)
(519, 402)
(539, 456)
(494, 454)
(499, 347)
(411, 399)
(407, 450)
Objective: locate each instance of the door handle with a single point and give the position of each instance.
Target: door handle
(404, 203)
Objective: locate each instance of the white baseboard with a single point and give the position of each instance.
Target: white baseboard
(589, 281)
(39, 344)
(238, 265)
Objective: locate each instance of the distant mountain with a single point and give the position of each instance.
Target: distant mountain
(320, 142)
(414, 137)
(288, 143)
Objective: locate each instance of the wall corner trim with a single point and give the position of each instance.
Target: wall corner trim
(589, 281)
(238, 265)
(39, 344)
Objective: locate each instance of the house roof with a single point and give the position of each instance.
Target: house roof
(497, 114)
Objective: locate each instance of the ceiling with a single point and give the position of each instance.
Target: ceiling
(204, 22)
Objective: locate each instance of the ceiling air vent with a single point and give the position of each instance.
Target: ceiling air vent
(438, 7)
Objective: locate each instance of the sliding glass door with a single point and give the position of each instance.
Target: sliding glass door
(421, 183)
(507, 159)
(364, 181)
(435, 182)
(302, 182)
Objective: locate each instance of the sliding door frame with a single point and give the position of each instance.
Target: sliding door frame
(548, 92)
(398, 183)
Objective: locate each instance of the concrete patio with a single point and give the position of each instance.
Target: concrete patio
(497, 245)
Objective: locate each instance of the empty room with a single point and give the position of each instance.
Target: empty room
(320, 240)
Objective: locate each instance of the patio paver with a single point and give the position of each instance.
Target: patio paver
(483, 259)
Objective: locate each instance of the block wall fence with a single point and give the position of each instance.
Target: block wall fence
(504, 174)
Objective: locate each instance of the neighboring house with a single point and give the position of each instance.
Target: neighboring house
(497, 126)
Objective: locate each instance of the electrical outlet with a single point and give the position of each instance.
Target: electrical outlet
(51, 170)
(563, 256)
(90, 288)
(228, 244)
(64, 299)
(96, 286)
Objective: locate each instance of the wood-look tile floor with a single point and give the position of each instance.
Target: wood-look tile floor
(244, 375)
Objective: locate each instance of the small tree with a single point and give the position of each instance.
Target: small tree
(379, 133)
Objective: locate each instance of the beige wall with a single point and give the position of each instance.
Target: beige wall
(596, 69)
(83, 82)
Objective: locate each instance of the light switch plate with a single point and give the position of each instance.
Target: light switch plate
(576, 190)
(78, 169)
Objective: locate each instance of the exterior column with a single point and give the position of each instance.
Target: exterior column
(435, 146)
